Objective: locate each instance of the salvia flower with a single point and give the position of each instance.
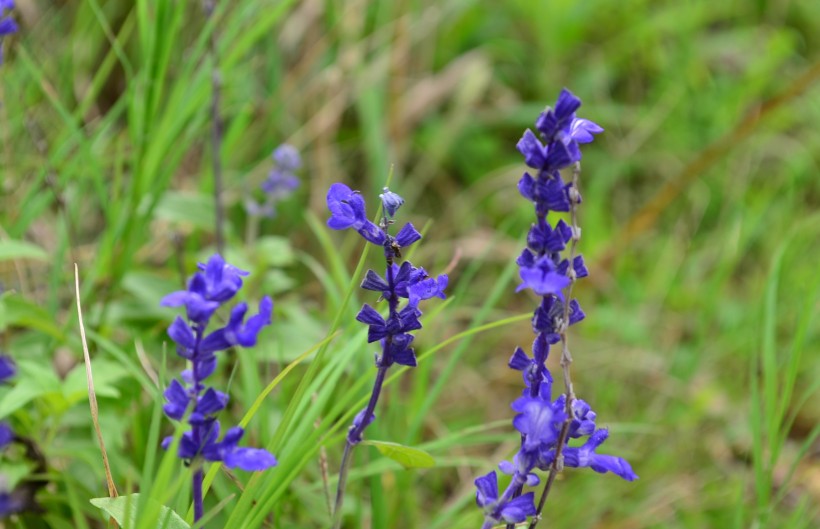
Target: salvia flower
(548, 266)
(216, 283)
(280, 183)
(502, 509)
(403, 287)
(7, 23)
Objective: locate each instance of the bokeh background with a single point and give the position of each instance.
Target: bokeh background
(699, 219)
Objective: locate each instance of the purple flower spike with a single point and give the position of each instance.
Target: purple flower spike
(549, 266)
(210, 288)
(280, 183)
(399, 282)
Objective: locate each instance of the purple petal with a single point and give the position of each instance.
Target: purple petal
(250, 459)
(532, 149)
(566, 105)
(375, 282)
(519, 360)
(181, 333)
(603, 463)
(177, 398)
(507, 467)
(486, 489)
(519, 509)
(526, 186)
(371, 232)
(540, 349)
(582, 130)
(370, 316)
(407, 235)
(391, 202)
(212, 402)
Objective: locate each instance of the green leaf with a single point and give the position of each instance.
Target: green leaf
(274, 251)
(191, 208)
(12, 249)
(32, 382)
(106, 373)
(406, 456)
(118, 507)
(24, 313)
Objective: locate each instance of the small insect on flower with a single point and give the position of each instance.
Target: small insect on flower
(394, 245)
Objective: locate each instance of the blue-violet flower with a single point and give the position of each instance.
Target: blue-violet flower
(404, 281)
(546, 425)
(216, 283)
(280, 183)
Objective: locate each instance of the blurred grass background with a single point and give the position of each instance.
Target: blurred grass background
(699, 218)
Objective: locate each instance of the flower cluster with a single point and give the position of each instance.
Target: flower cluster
(399, 282)
(546, 425)
(7, 23)
(210, 288)
(280, 183)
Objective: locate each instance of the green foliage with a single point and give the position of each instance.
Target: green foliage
(699, 230)
(406, 456)
(125, 510)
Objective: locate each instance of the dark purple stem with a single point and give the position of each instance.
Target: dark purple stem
(196, 487)
(197, 492)
(354, 436)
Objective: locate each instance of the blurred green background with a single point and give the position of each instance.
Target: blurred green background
(699, 220)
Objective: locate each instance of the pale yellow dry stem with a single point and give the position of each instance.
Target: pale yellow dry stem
(92, 396)
(146, 363)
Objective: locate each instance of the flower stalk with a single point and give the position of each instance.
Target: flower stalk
(549, 267)
(188, 397)
(399, 282)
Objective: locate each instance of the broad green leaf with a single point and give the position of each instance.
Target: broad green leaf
(106, 376)
(21, 312)
(21, 394)
(274, 251)
(32, 382)
(406, 456)
(185, 207)
(13, 249)
(118, 507)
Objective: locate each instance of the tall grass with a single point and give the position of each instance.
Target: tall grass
(697, 214)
